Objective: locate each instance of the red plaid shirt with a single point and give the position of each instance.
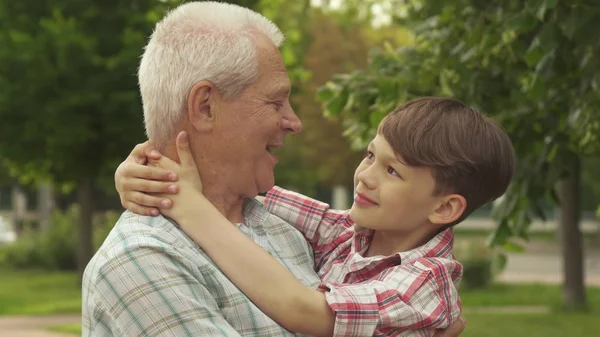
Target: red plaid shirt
(407, 294)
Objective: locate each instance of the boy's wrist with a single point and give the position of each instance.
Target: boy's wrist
(191, 208)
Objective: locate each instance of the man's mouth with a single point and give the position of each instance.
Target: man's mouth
(272, 147)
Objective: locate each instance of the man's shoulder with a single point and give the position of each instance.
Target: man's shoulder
(140, 236)
(138, 230)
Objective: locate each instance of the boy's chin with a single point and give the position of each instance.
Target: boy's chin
(359, 217)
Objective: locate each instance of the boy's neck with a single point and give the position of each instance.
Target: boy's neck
(389, 243)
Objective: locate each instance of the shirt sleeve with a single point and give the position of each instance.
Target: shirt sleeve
(406, 300)
(150, 291)
(319, 224)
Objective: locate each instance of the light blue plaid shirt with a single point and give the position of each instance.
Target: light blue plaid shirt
(150, 279)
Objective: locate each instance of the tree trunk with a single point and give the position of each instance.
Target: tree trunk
(19, 208)
(339, 197)
(569, 191)
(45, 203)
(85, 198)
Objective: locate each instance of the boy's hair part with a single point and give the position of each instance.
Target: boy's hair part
(469, 154)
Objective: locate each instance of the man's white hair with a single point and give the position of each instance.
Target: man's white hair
(198, 41)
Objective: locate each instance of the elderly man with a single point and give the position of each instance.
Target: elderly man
(213, 70)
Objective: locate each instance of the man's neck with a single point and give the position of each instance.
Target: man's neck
(227, 202)
(230, 206)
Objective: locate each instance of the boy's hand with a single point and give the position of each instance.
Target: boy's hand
(454, 330)
(189, 201)
(134, 181)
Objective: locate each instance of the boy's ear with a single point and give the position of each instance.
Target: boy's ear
(450, 209)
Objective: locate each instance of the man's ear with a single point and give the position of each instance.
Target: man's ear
(200, 106)
(450, 209)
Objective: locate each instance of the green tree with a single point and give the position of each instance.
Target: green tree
(532, 65)
(343, 48)
(69, 102)
(323, 42)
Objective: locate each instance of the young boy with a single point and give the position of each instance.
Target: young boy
(386, 264)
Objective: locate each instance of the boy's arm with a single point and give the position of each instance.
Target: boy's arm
(410, 298)
(263, 279)
(417, 298)
(319, 224)
(274, 289)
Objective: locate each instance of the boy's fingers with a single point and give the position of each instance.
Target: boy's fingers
(463, 321)
(149, 186)
(183, 150)
(151, 151)
(454, 330)
(148, 172)
(145, 200)
(141, 210)
(139, 153)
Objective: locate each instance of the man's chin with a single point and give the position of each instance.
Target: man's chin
(265, 184)
(265, 189)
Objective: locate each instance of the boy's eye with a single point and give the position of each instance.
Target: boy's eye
(370, 155)
(393, 172)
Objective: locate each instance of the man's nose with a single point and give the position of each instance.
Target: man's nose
(290, 122)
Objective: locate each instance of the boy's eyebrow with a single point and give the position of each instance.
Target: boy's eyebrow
(393, 159)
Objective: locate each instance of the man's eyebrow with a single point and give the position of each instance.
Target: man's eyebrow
(280, 91)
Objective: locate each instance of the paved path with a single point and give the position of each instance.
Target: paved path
(25, 326)
(545, 269)
(542, 263)
(586, 225)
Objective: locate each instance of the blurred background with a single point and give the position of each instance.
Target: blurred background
(70, 113)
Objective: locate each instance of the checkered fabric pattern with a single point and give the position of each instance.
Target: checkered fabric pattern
(407, 294)
(150, 279)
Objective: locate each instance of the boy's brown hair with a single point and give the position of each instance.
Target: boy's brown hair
(469, 154)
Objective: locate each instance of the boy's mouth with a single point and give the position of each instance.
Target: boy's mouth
(363, 200)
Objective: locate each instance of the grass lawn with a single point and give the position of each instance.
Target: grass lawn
(532, 325)
(74, 329)
(522, 294)
(500, 325)
(39, 293)
(555, 324)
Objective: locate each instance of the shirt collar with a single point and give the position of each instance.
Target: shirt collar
(255, 215)
(439, 246)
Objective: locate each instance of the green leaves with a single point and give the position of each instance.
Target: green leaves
(69, 91)
(531, 69)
